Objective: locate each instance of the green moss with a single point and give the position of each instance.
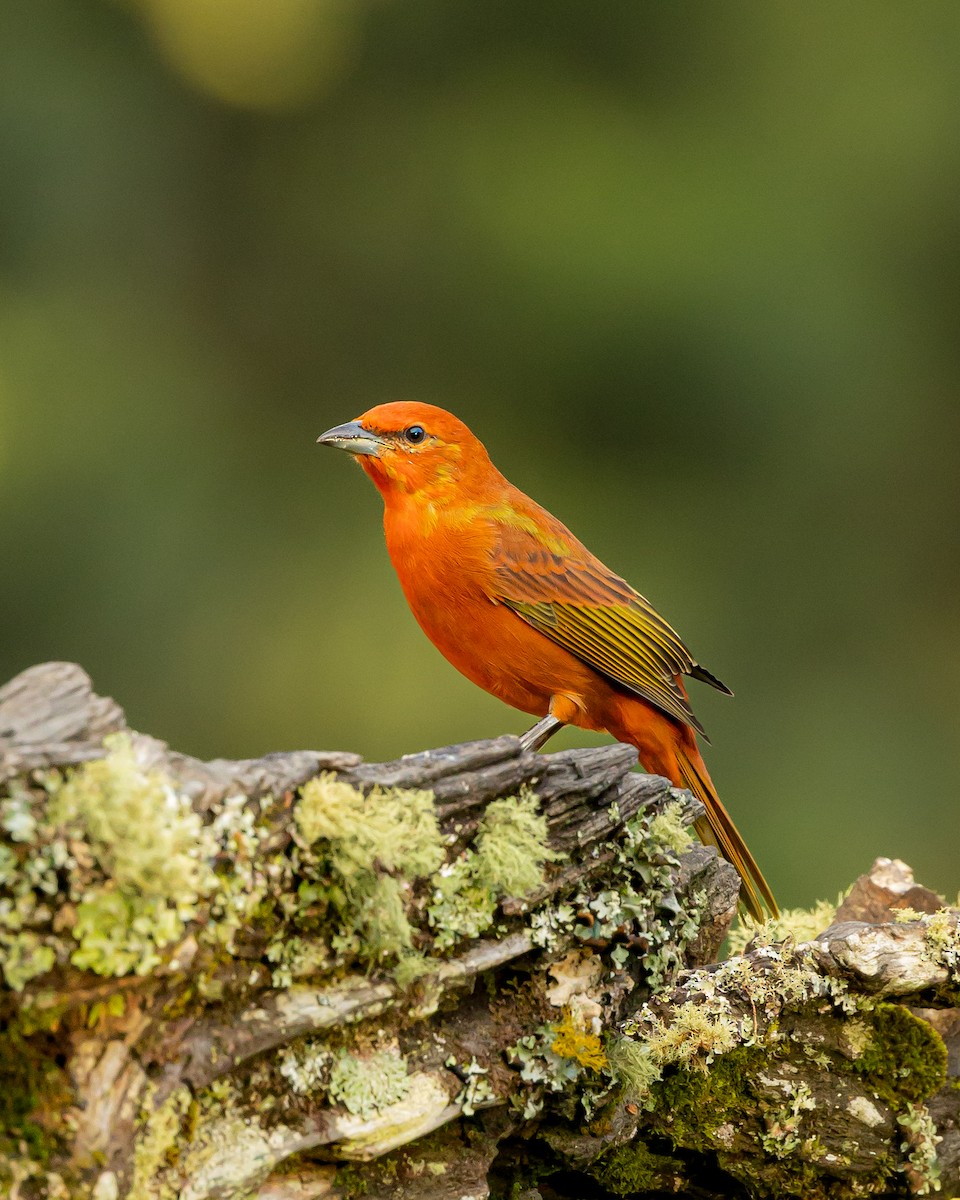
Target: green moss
(350, 1182)
(32, 1084)
(366, 1085)
(635, 1168)
(905, 1058)
(693, 1105)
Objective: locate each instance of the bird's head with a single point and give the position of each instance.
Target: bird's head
(410, 447)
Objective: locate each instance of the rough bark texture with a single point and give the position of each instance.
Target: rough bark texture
(475, 971)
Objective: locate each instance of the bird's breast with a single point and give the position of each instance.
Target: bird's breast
(446, 569)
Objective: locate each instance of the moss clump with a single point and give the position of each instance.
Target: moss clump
(366, 1085)
(905, 1057)
(370, 848)
(694, 1106)
(511, 846)
(144, 834)
(634, 1168)
(507, 860)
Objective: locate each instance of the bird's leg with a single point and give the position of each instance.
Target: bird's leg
(544, 729)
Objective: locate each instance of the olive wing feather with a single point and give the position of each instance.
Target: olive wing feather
(576, 601)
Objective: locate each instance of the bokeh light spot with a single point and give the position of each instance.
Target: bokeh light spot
(253, 54)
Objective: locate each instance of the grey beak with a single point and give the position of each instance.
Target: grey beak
(353, 438)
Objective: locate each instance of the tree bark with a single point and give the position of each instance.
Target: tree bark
(473, 971)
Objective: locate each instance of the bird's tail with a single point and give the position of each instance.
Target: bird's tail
(717, 829)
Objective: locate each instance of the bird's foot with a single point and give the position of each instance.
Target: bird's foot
(544, 729)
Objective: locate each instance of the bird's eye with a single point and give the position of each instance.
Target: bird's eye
(415, 434)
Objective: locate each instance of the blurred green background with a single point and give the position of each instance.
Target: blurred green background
(691, 270)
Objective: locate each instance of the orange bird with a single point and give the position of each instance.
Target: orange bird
(516, 603)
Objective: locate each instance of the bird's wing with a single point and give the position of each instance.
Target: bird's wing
(567, 594)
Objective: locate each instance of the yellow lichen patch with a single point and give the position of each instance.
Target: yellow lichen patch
(571, 1041)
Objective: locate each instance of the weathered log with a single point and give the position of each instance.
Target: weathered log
(476, 970)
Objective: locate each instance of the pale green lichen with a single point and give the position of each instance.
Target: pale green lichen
(396, 827)
(641, 906)
(25, 956)
(297, 958)
(161, 1127)
(460, 907)
(511, 845)
(365, 1085)
(476, 1091)
(942, 937)
(134, 855)
(121, 932)
(920, 1147)
(793, 924)
(306, 1066)
(783, 1134)
(670, 827)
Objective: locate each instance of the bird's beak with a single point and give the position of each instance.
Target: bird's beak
(353, 438)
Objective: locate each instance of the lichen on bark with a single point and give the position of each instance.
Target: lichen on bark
(457, 973)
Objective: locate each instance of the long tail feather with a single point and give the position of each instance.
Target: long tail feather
(717, 829)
